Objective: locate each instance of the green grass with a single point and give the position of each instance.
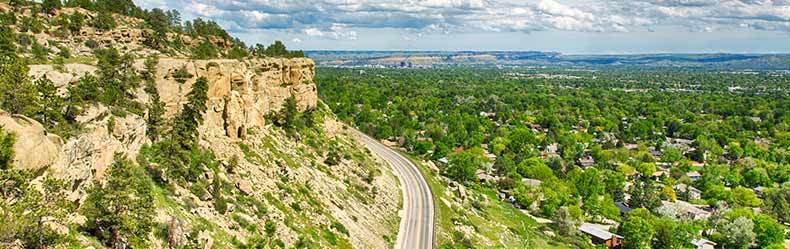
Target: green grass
(250, 155)
(501, 224)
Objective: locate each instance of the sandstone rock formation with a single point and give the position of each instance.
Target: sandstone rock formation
(70, 73)
(35, 148)
(240, 93)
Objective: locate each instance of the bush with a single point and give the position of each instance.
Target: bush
(40, 53)
(7, 18)
(270, 227)
(181, 75)
(92, 44)
(205, 51)
(31, 24)
(76, 21)
(26, 216)
(104, 21)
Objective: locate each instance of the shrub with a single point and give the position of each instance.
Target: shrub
(76, 21)
(104, 21)
(204, 51)
(181, 75)
(31, 24)
(7, 141)
(92, 44)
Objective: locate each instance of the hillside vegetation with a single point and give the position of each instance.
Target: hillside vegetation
(128, 128)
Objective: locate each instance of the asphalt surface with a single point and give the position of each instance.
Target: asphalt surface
(417, 219)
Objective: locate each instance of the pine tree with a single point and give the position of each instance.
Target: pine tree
(6, 149)
(185, 127)
(14, 79)
(155, 107)
(121, 211)
(49, 104)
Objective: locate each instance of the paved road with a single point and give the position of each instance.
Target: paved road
(416, 225)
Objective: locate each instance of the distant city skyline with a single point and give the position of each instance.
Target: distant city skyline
(565, 26)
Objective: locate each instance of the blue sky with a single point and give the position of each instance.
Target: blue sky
(567, 26)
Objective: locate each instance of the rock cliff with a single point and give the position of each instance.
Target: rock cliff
(356, 197)
(240, 93)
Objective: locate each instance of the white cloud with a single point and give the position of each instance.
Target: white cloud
(341, 19)
(335, 32)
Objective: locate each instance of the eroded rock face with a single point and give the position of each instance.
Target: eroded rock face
(70, 73)
(240, 93)
(35, 149)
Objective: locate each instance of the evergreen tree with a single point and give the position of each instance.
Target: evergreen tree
(7, 41)
(20, 92)
(49, 6)
(104, 21)
(50, 105)
(7, 141)
(120, 212)
(185, 127)
(156, 108)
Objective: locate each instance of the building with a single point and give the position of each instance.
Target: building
(694, 175)
(600, 236)
(482, 176)
(586, 161)
(760, 190)
(624, 209)
(703, 243)
(692, 192)
(687, 209)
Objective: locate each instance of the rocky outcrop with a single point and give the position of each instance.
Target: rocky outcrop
(61, 78)
(240, 93)
(35, 149)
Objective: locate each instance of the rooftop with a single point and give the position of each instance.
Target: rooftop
(597, 232)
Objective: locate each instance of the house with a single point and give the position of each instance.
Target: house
(697, 164)
(703, 243)
(687, 209)
(694, 175)
(624, 209)
(760, 190)
(692, 192)
(550, 150)
(658, 174)
(444, 160)
(587, 161)
(600, 236)
(488, 114)
(684, 145)
(484, 177)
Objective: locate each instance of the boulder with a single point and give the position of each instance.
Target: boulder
(35, 149)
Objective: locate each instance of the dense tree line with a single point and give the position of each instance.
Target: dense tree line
(623, 121)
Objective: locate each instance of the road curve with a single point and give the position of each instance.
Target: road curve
(417, 220)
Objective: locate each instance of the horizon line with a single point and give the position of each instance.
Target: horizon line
(546, 52)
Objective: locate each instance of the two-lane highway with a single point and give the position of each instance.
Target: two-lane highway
(416, 225)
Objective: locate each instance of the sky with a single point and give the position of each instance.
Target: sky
(566, 26)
